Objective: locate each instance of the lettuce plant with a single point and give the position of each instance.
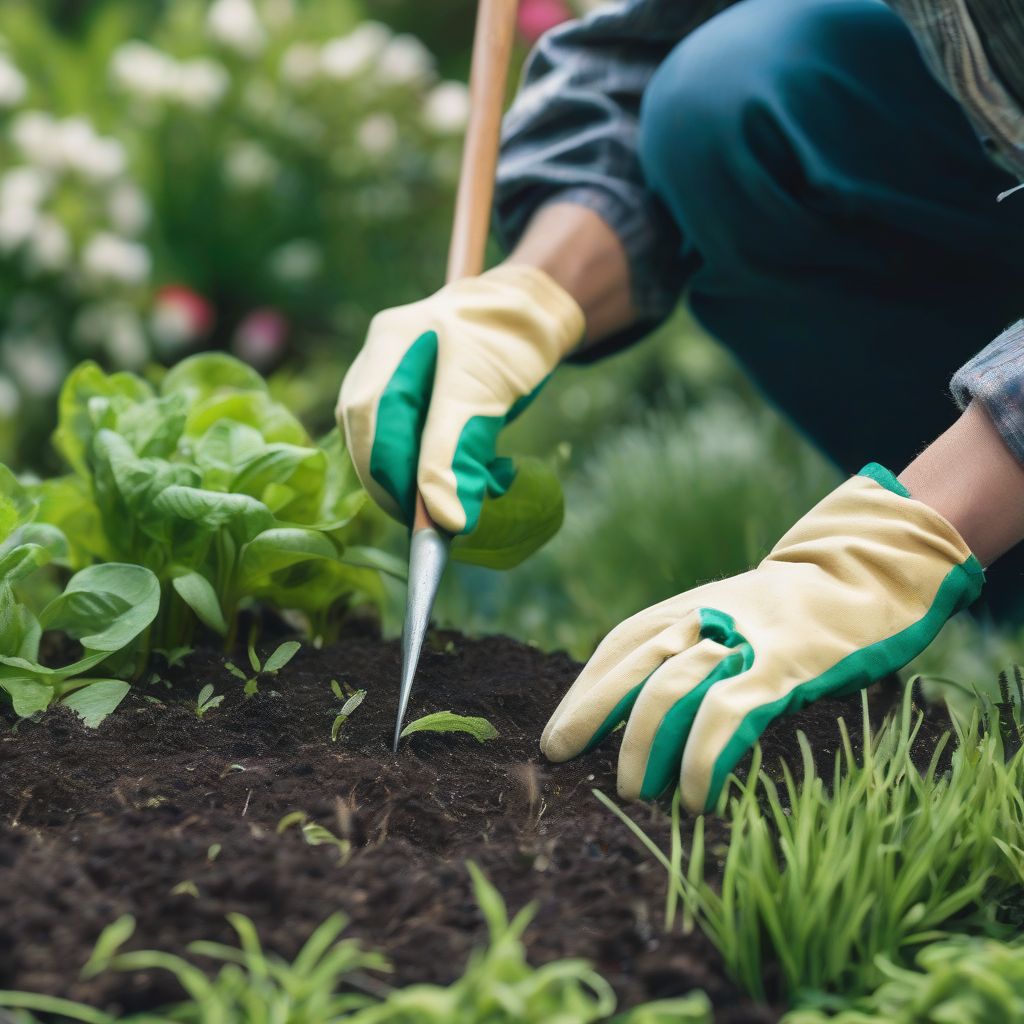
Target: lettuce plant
(214, 486)
(103, 609)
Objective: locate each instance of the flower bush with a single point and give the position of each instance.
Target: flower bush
(258, 175)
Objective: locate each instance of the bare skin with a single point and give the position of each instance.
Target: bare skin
(968, 475)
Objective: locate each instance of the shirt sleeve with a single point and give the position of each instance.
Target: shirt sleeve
(995, 378)
(571, 136)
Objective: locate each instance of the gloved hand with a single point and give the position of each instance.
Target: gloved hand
(437, 380)
(859, 587)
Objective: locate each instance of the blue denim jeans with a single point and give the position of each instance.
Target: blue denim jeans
(842, 232)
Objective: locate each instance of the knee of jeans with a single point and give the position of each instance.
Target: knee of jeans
(721, 117)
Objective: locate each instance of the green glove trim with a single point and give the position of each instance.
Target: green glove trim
(401, 413)
(884, 478)
(959, 589)
(666, 754)
(478, 472)
(616, 716)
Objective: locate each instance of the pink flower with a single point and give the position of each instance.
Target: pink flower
(261, 337)
(537, 16)
(180, 317)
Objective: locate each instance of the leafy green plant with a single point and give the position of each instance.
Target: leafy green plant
(206, 701)
(103, 609)
(959, 980)
(822, 882)
(447, 721)
(349, 702)
(214, 487)
(254, 987)
(315, 834)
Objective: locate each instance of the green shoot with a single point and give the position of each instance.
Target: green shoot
(315, 834)
(349, 704)
(447, 721)
(327, 984)
(174, 656)
(820, 885)
(207, 701)
(274, 663)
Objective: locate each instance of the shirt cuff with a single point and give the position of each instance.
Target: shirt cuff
(995, 378)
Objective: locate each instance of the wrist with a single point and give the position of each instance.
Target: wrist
(972, 480)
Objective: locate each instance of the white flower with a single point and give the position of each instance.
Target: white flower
(250, 165)
(37, 135)
(236, 25)
(348, 56)
(36, 364)
(96, 158)
(125, 340)
(405, 61)
(12, 84)
(446, 108)
(24, 186)
(110, 258)
(49, 246)
(127, 208)
(377, 134)
(16, 226)
(10, 398)
(300, 64)
(144, 70)
(296, 261)
(200, 83)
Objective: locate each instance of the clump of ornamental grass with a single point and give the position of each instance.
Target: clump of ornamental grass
(960, 980)
(823, 883)
(328, 982)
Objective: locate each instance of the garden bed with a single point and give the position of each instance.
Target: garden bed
(174, 820)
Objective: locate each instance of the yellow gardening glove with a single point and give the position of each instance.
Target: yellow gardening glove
(436, 381)
(859, 587)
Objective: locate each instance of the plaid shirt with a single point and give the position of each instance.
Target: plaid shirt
(572, 132)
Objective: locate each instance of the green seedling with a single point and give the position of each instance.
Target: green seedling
(315, 834)
(447, 721)
(174, 656)
(350, 701)
(207, 701)
(327, 982)
(274, 663)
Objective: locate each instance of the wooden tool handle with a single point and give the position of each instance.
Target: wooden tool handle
(488, 76)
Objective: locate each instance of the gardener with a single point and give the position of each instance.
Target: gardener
(830, 208)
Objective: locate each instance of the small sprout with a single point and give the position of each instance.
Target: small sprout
(174, 656)
(111, 939)
(447, 721)
(207, 701)
(314, 834)
(274, 663)
(349, 704)
(213, 852)
(186, 888)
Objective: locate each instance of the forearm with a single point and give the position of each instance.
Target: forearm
(970, 477)
(576, 248)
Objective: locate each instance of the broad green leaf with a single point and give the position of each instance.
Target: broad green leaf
(28, 695)
(198, 593)
(105, 607)
(97, 699)
(152, 428)
(223, 449)
(374, 558)
(67, 504)
(22, 560)
(514, 526)
(254, 408)
(447, 721)
(243, 516)
(203, 375)
(288, 478)
(342, 497)
(16, 504)
(20, 631)
(79, 410)
(280, 657)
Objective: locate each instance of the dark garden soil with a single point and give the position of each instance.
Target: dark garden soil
(96, 824)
